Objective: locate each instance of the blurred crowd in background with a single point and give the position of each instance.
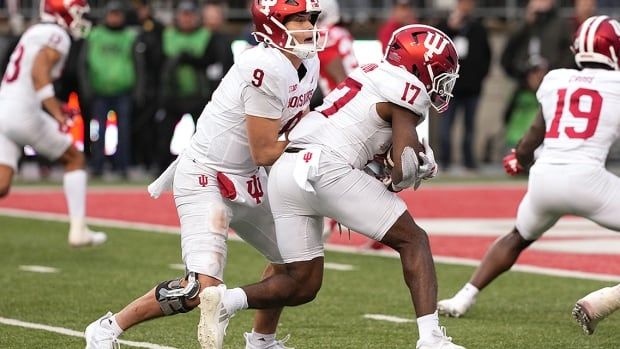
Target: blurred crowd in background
(154, 62)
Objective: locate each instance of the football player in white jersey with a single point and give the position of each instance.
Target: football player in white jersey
(374, 111)
(31, 115)
(219, 181)
(577, 125)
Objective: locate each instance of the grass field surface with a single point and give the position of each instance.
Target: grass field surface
(520, 310)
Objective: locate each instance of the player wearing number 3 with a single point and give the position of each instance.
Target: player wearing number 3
(219, 181)
(320, 174)
(576, 127)
(27, 88)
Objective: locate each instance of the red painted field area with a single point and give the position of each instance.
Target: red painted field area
(428, 203)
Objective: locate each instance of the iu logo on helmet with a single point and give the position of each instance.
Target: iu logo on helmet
(314, 4)
(434, 44)
(267, 5)
(203, 180)
(255, 189)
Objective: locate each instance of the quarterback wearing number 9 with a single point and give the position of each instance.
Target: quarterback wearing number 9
(220, 182)
(321, 175)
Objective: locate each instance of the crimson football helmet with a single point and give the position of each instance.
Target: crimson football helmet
(598, 41)
(69, 14)
(269, 17)
(430, 55)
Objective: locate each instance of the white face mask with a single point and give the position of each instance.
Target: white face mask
(441, 93)
(80, 26)
(306, 50)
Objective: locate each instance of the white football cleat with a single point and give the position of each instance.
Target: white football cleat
(440, 341)
(455, 306)
(86, 237)
(276, 344)
(591, 309)
(213, 317)
(99, 336)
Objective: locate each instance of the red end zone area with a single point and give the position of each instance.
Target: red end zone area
(462, 222)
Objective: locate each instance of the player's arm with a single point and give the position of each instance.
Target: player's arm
(532, 139)
(405, 147)
(44, 62)
(263, 139)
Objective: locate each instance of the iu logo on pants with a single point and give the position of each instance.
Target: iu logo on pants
(203, 180)
(255, 189)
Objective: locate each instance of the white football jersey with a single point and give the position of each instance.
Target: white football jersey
(348, 123)
(263, 83)
(17, 82)
(582, 115)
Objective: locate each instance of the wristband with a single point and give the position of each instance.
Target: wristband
(45, 92)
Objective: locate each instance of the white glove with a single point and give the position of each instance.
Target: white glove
(428, 168)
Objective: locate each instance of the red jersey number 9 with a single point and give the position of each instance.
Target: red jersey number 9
(257, 77)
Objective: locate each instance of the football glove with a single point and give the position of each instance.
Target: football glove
(428, 168)
(511, 164)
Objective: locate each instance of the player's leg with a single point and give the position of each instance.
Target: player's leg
(9, 155)
(256, 226)
(362, 203)
(55, 145)
(596, 306)
(266, 320)
(531, 223)
(204, 229)
(601, 199)
(298, 245)
(299, 280)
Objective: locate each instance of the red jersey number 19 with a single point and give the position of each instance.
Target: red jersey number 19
(591, 113)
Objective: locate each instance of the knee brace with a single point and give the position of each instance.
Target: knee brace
(172, 297)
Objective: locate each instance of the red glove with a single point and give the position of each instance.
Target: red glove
(70, 112)
(511, 164)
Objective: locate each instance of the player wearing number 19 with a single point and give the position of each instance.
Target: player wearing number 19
(578, 122)
(374, 111)
(219, 181)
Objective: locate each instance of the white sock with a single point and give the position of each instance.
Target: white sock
(616, 291)
(110, 323)
(427, 324)
(234, 300)
(74, 184)
(468, 292)
(260, 338)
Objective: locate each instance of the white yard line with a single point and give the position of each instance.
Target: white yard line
(38, 269)
(73, 333)
(112, 223)
(570, 227)
(389, 318)
(338, 266)
(155, 228)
